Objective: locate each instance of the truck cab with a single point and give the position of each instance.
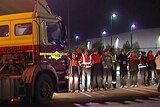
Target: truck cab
(33, 62)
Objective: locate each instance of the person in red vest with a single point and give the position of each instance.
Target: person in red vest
(85, 62)
(151, 68)
(74, 75)
(96, 70)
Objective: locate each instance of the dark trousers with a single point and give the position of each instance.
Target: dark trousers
(96, 76)
(158, 77)
(80, 77)
(107, 77)
(123, 75)
(144, 75)
(114, 75)
(133, 77)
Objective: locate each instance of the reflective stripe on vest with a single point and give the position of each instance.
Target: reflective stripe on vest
(86, 64)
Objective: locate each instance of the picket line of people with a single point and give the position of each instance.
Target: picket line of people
(97, 71)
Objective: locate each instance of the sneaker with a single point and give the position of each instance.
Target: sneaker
(83, 90)
(105, 88)
(125, 86)
(101, 89)
(155, 84)
(89, 90)
(121, 86)
(136, 86)
(76, 91)
(132, 86)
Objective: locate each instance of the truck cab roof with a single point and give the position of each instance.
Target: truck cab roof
(22, 6)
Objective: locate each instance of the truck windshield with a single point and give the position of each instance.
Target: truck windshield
(4, 30)
(23, 29)
(53, 33)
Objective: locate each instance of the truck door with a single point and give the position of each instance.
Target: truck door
(53, 44)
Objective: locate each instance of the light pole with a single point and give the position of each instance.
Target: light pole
(114, 15)
(104, 33)
(68, 24)
(133, 26)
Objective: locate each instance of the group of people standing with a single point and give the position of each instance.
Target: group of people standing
(92, 71)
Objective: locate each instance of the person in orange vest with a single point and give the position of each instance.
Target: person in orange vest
(85, 62)
(151, 68)
(74, 75)
(96, 70)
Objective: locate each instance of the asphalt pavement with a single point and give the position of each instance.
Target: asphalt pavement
(142, 96)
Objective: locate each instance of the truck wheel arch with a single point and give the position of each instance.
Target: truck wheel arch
(33, 72)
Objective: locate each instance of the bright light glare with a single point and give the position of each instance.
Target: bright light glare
(114, 15)
(88, 44)
(133, 26)
(117, 42)
(77, 37)
(104, 33)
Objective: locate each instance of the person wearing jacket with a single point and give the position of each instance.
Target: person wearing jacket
(74, 75)
(123, 60)
(157, 61)
(151, 68)
(78, 55)
(96, 70)
(133, 68)
(107, 71)
(114, 67)
(143, 68)
(85, 62)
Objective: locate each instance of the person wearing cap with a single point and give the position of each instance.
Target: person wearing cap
(123, 60)
(96, 70)
(85, 62)
(133, 68)
(143, 68)
(114, 67)
(107, 71)
(157, 61)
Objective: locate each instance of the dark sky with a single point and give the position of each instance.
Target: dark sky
(88, 18)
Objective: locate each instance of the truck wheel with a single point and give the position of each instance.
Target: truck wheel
(43, 89)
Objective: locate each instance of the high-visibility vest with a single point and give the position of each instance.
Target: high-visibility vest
(74, 62)
(86, 61)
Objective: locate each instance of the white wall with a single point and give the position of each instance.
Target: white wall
(147, 38)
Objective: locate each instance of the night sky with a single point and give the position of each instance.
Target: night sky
(88, 18)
